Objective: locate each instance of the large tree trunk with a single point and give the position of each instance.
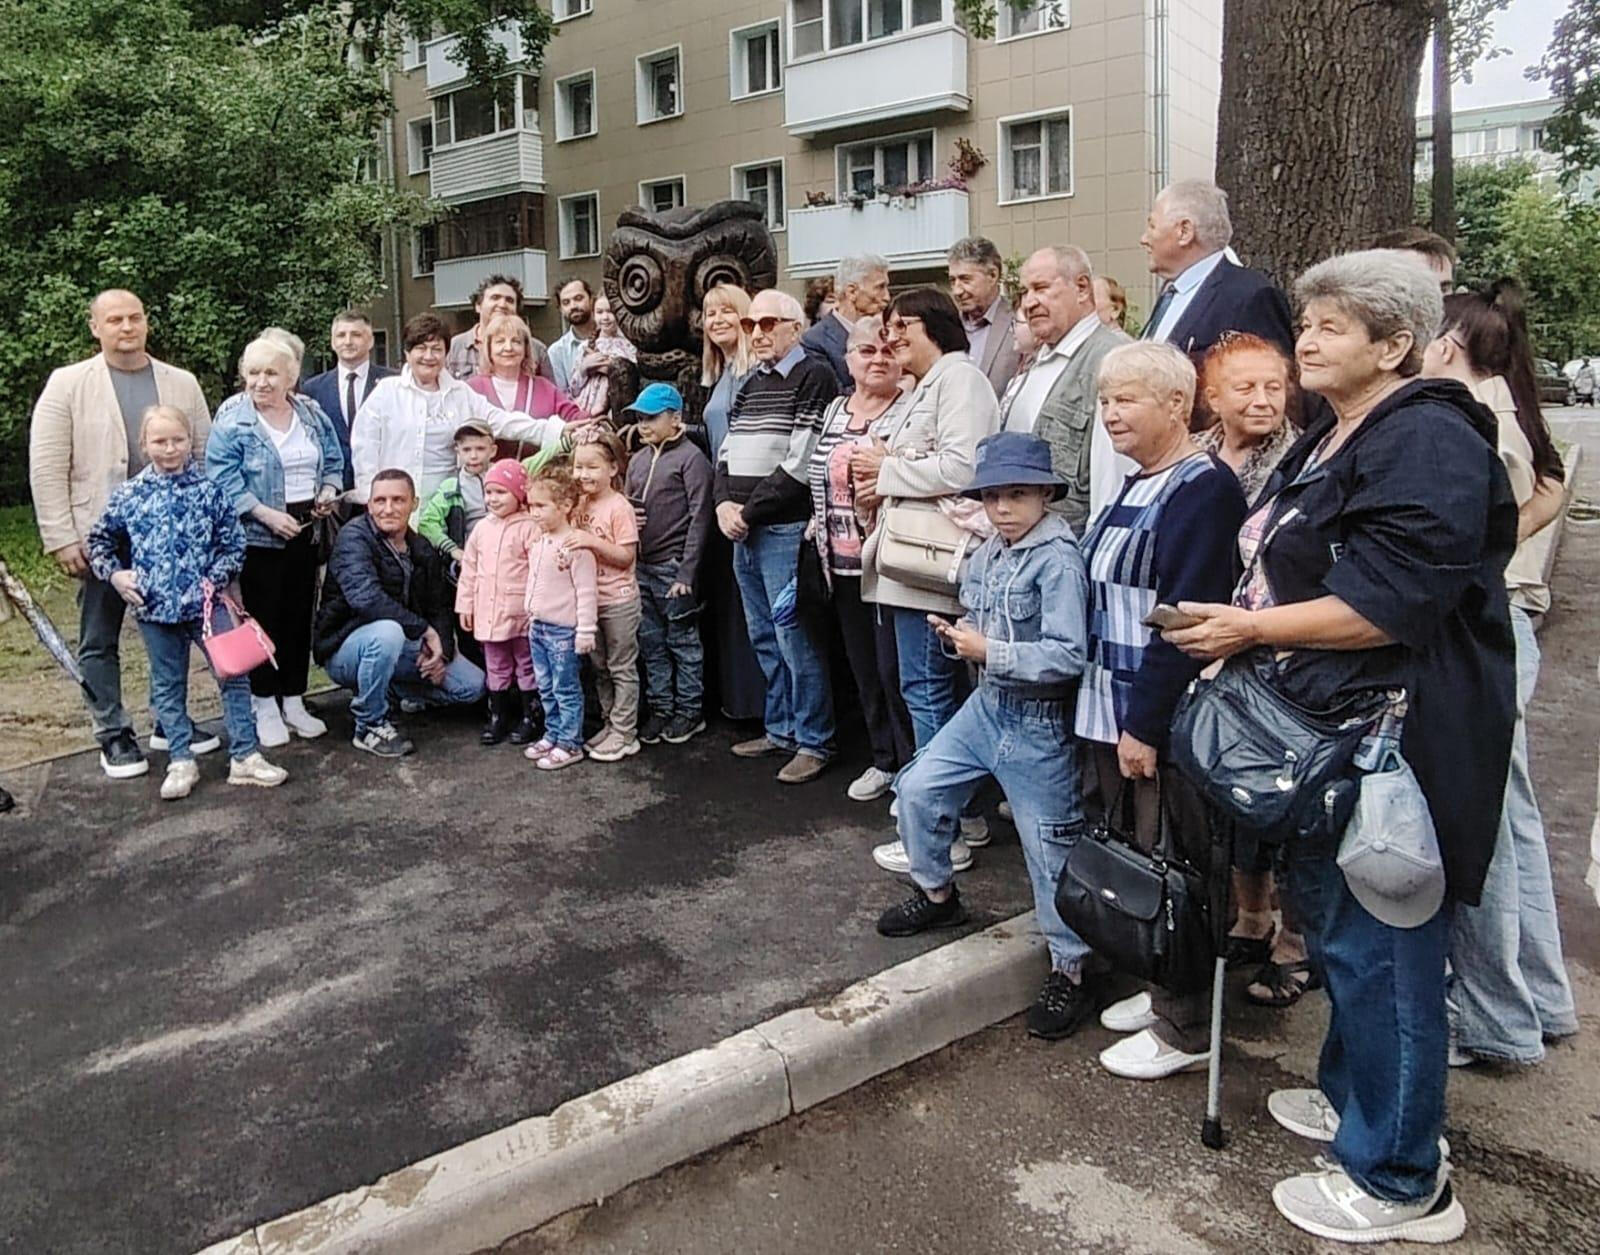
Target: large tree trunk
(1316, 127)
(1444, 159)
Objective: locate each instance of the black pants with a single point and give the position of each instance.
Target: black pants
(280, 590)
(869, 646)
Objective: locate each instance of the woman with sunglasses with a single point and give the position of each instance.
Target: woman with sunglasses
(925, 452)
(839, 527)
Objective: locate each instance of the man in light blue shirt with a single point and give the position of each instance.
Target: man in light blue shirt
(566, 354)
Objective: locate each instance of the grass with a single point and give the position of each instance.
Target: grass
(19, 546)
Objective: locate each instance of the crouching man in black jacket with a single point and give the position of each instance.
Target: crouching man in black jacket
(388, 619)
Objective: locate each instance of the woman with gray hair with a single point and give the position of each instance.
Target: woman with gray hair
(1375, 565)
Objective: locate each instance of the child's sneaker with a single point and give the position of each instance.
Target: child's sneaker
(558, 758)
(651, 729)
(538, 749)
(613, 747)
(256, 770)
(682, 728)
(181, 778)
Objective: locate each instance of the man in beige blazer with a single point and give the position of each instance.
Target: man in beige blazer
(975, 271)
(83, 442)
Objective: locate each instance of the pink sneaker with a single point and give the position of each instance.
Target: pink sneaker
(558, 758)
(538, 750)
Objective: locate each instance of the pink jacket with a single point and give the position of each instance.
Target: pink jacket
(494, 576)
(563, 597)
(536, 396)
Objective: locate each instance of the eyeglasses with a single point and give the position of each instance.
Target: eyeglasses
(765, 326)
(897, 327)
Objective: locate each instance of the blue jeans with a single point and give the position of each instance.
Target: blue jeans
(167, 644)
(1383, 1061)
(377, 657)
(929, 681)
(799, 711)
(674, 659)
(555, 666)
(1509, 989)
(1027, 745)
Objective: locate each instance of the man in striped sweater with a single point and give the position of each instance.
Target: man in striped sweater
(763, 506)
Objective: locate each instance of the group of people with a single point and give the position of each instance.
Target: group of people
(1026, 533)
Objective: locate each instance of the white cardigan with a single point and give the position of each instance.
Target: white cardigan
(391, 427)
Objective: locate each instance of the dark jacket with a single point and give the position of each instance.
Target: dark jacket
(1234, 298)
(366, 584)
(1411, 523)
(825, 340)
(324, 389)
(672, 483)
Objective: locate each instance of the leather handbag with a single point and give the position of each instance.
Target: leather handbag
(1147, 914)
(922, 547)
(1261, 759)
(240, 649)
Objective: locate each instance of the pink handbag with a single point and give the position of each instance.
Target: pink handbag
(243, 647)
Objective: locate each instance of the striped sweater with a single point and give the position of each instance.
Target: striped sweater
(774, 422)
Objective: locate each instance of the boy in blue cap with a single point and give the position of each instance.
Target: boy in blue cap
(1026, 594)
(669, 482)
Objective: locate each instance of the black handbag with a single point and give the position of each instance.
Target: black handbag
(1146, 914)
(1261, 759)
(810, 581)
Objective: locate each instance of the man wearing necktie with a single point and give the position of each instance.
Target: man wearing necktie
(341, 391)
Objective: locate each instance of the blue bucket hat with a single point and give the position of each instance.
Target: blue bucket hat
(658, 398)
(1013, 457)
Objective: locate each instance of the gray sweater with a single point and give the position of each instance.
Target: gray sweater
(672, 482)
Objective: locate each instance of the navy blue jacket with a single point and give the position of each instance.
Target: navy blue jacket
(366, 584)
(325, 391)
(1234, 298)
(825, 340)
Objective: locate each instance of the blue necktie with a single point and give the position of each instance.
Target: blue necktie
(1160, 311)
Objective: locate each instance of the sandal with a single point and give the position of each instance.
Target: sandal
(1248, 951)
(1282, 984)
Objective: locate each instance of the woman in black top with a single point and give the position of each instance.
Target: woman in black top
(1384, 537)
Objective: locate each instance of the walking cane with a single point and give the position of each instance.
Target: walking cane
(1212, 1135)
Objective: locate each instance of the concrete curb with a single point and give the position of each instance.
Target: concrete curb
(514, 1179)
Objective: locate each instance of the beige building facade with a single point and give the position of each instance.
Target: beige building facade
(856, 124)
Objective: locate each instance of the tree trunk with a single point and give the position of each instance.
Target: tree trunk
(1317, 123)
(1444, 159)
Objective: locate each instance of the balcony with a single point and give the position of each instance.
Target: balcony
(908, 231)
(455, 281)
(443, 72)
(923, 71)
(494, 165)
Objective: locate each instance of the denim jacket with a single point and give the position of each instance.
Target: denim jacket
(172, 532)
(241, 457)
(1030, 600)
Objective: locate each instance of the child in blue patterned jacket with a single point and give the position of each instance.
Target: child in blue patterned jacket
(165, 532)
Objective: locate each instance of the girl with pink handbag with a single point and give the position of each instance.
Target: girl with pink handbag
(168, 539)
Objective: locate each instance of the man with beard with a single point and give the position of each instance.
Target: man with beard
(566, 354)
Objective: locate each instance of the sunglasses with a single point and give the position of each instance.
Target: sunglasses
(765, 326)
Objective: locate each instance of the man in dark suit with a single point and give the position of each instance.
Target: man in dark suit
(1205, 292)
(341, 391)
(861, 289)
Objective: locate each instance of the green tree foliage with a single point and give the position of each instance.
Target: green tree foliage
(1508, 223)
(979, 15)
(1572, 64)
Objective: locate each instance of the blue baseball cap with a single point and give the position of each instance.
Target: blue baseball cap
(658, 398)
(1013, 457)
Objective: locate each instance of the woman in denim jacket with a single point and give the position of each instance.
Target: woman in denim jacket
(277, 457)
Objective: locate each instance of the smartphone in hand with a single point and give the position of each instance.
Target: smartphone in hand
(1166, 618)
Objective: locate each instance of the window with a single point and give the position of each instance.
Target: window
(380, 346)
(756, 62)
(826, 25)
(575, 113)
(419, 145)
(424, 250)
(1538, 137)
(887, 163)
(762, 184)
(498, 224)
(563, 9)
(1040, 17)
(411, 55)
(660, 85)
(661, 195)
(486, 109)
(1035, 157)
(580, 225)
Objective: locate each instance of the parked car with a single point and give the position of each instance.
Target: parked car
(1555, 386)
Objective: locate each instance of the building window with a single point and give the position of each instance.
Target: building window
(575, 112)
(661, 195)
(563, 9)
(482, 109)
(580, 225)
(829, 25)
(1538, 138)
(424, 250)
(1035, 157)
(762, 184)
(499, 224)
(380, 346)
(411, 55)
(1038, 18)
(896, 162)
(419, 145)
(756, 63)
(660, 85)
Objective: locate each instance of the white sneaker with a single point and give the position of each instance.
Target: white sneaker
(975, 831)
(1131, 1015)
(870, 785)
(301, 721)
(1145, 1057)
(892, 857)
(180, 780)
(256, 770)
(1005, 812)
(199, 743)
(1330, 1205)
(1308, 1113)
(270, 729)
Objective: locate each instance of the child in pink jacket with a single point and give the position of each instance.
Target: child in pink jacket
(561, 617)
(491, 597)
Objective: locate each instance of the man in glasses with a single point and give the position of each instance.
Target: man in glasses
(861, 289)
(763, 505)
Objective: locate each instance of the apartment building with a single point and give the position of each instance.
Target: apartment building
(858, 125)
(1496, 134)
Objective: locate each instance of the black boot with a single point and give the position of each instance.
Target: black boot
(501, 713)
(531, 726)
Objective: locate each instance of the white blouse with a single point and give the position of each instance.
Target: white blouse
(301, 458)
